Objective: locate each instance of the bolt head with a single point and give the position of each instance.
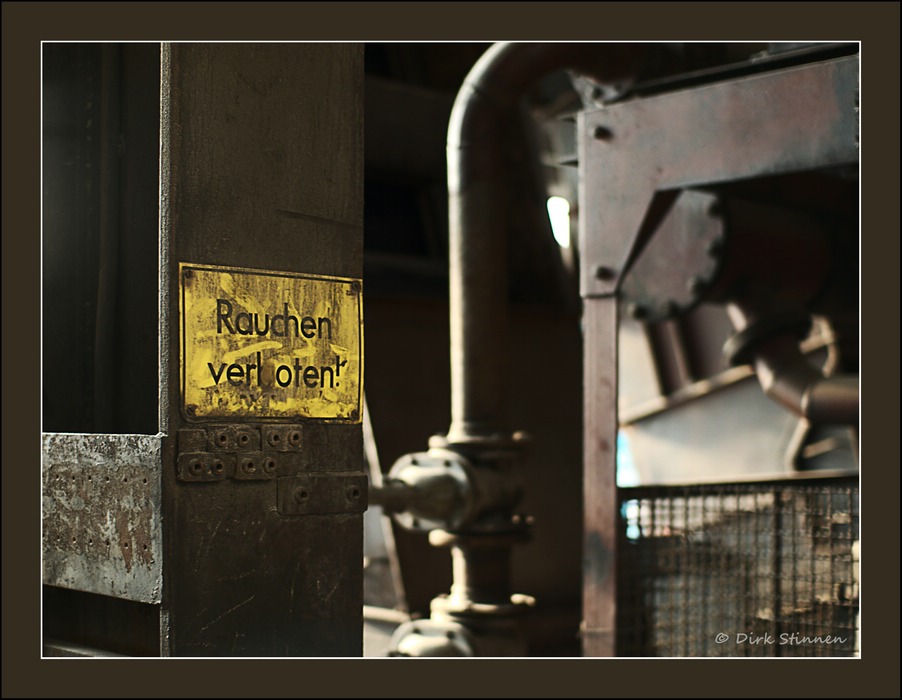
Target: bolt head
(602, 133)
(604, 273)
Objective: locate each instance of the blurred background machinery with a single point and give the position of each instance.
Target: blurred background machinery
(715, 195)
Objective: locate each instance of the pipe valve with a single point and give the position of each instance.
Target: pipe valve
(428, 490)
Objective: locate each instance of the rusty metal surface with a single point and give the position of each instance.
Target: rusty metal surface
(322, 494)
(241, 451)
(101, 514)
(600, 477)
(633, 156)
(679, 262)
(795, 119)
(262, 169)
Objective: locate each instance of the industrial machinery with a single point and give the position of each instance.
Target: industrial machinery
(653, 429)
(699, 188)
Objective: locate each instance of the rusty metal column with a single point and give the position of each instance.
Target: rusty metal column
(600, 477)
(261, 349)
(633, 157)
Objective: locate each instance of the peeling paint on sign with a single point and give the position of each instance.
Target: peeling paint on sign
(269, 345)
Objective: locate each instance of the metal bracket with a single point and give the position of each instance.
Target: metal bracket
(241, 452)
(321, 494)
(204, 466)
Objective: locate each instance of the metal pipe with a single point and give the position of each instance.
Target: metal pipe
(788, 378)
(478, 202)
(479, 147)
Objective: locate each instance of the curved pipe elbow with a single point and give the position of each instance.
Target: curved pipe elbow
(798, 387)
(501, 76)
(788, 378)
(478, 147)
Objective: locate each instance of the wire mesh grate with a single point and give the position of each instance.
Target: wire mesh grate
(748, 569)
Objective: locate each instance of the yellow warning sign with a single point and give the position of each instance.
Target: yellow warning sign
(269, 345)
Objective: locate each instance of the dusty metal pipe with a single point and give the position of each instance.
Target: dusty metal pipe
(478, 201)
(480, 141)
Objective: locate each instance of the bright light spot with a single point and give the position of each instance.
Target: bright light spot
(627, 473)
(559, 215)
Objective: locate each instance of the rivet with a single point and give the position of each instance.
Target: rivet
(604, 273)
(602, 133)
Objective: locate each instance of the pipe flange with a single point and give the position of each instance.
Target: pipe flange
(440, 492)
(740, 348)
(468, 440)
(444, 605)
(421, 638)
(491, 535)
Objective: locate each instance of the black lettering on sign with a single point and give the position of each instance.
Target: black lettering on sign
(260, 343)
(279, 326)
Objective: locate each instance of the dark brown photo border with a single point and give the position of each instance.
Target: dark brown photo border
(25, 25)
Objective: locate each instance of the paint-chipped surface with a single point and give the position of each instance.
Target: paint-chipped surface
(101, 514)
(259, 344)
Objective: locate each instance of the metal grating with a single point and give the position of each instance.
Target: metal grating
(743, 569)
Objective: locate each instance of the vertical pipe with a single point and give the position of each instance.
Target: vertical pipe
(479, 140)
(478, 201)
